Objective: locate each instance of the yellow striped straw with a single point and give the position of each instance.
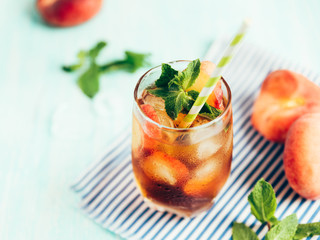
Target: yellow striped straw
(215, 77)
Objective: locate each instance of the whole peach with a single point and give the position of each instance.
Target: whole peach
(66, 13)
(302, 156)
(284, 97)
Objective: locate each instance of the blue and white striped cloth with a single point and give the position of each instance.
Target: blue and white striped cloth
(109, 195)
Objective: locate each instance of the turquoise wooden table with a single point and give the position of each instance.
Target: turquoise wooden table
(49, 131)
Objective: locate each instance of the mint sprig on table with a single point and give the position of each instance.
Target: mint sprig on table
(172, 86)
(88, 81)
(263, 206)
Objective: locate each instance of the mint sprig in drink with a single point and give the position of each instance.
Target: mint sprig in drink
(181, 169)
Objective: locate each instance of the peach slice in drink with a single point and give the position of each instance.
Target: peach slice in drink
(158, 105)
(204, 180)
(137, 136)
(216, 97)
(151, 129)
(163, 168)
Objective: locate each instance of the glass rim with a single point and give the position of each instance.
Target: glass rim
(217, 119)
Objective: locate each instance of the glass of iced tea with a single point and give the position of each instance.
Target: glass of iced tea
(179, 170)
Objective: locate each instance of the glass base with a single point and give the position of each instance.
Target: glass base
(152, 204)
(162, 208)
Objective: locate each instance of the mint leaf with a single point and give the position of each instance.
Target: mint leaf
(194, 94)
(190, 74)
(132, 62)
(135, 60)
(209, 111)
(215, 112)
(89, 81)
(263, 204)
(167, 74)
(71, 68)
(175, 83)
(284, 230)
(307, 230)
(91, 54)
(206, 111)
(160, 92)
(263, 201)
(172, 86)
(187, 77)
(273, 221)
(242, 232)
(94, 52)
(175, 102)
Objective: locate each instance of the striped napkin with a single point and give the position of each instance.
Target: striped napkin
(109, 195)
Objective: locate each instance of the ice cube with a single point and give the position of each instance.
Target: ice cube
(207, 148)
(185, 153)
(156, 102)
(164, 119)
(206, 172)
(203, 134)
(203, 179)
(200, 121)
(163, 168)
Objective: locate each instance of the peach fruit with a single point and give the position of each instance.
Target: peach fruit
(302, 156)
(66, 13)
(151, 131)
(215, 98)
(164, 168)
(150, 112)
(284, 97)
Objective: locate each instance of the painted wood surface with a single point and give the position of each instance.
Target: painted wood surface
(49, 132)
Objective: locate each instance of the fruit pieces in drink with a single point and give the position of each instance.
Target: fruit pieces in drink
(284, 97)
(216, 97)
(163, 168)
(151, 130)
(159, 108)
(145, 137)
(150, 112)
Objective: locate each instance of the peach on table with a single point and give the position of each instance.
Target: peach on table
(288, 110)
(302, 156)
(67, 13)
(284, 97)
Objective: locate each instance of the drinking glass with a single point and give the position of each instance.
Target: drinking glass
(180, 170)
